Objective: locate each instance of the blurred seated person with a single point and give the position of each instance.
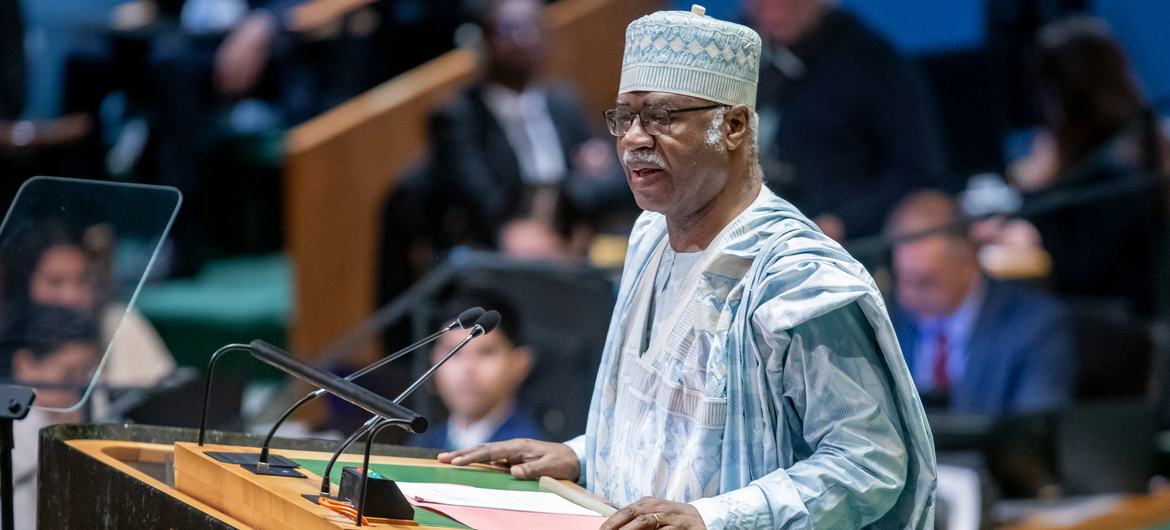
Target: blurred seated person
(53, 266)
(532, 240)
(847, 126)
(973, 344)
(1098, 130)
(478, 385)
(223, 53)
(51, 345)
(12, 61)
(514, 145)
(45, 345)
(511, 146)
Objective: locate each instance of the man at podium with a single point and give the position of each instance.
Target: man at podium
(751, 377)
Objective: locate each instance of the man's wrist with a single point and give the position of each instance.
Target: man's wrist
(577, 445)
(742, 508)
(709, 509)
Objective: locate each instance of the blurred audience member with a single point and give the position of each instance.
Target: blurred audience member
(973, 344)
(12, 62)
(52, 345)
(1100, 138)
(55, 268)
(846, 125)
(220, 56)
(530, 239)
(1011, 27)
(478, 385)
(45, 345)
(514, 145)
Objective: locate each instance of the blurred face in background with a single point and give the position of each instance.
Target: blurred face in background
(514, 42)
(529, 239)
(72, 363)
(482, 376)
(933, 275)
(786, 21)
(62, 277)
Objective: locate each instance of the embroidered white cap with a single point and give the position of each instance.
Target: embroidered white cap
(692, 54)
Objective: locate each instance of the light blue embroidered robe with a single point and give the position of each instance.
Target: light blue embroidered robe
(738, 410)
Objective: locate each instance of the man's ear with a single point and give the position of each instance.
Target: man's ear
(736, 123)
(521, 363)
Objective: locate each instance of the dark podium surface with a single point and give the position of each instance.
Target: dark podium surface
(76, 490)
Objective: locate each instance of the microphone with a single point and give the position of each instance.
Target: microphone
(483, 325)
(465, 319)
(342, 388)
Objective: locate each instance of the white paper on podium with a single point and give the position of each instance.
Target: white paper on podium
(460, 495)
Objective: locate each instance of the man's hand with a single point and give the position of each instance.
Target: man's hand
(649, 513)
(527, 459)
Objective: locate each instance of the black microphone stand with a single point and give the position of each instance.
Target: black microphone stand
(15, 402)
(484, 325)
(468, 316)
(207, 384)
(377, 429)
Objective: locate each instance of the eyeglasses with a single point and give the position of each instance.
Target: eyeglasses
(655, 121)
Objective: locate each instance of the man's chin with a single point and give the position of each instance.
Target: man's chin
(650, 204)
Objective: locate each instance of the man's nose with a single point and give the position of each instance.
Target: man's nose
(636, 136)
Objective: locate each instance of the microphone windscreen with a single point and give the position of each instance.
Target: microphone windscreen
(488, 321)
(467, 318)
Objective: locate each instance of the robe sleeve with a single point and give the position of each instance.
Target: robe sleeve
(827, 381)
(578, 446)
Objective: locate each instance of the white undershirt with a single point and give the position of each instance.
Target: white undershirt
(530, 131)
(668, 282)
(460, 436)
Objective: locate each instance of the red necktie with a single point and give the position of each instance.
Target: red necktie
(939, 371)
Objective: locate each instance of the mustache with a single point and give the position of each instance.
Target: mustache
(643, 156)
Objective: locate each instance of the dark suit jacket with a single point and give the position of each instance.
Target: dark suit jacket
(475, 168)
(519, 425)
(856, 131)
(1021, 355)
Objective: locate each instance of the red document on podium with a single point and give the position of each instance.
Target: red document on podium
(496, 519)
(488, 509)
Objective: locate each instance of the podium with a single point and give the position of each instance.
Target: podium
(157, 477)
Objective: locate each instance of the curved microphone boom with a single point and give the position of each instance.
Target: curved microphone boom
(465, 319)
(351, 392)
(483, 325)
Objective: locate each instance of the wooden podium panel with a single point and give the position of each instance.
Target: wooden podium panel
(116, 476)
(128, 457)
(260, 501)
(264, 501)
(238, 498)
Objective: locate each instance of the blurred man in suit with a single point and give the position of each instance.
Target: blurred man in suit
(846, 125)
(511, 157)
(513, 146)
(973, 344)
